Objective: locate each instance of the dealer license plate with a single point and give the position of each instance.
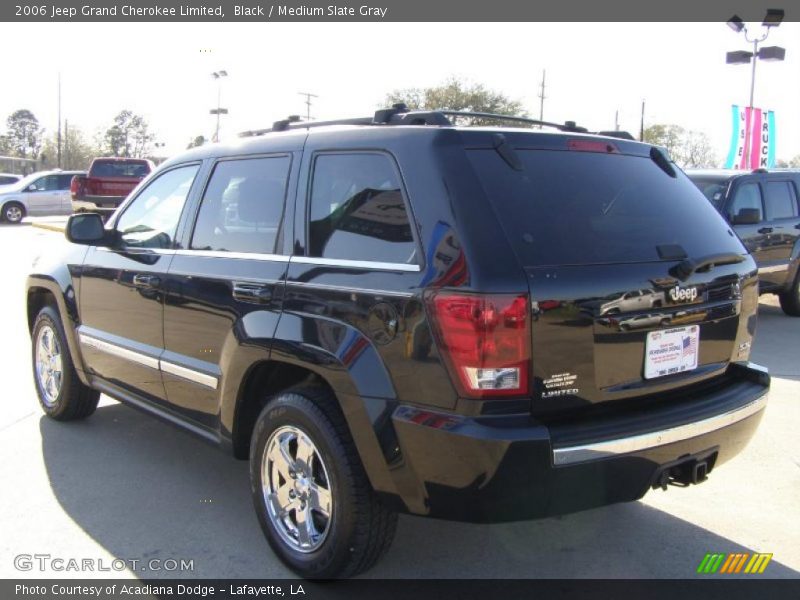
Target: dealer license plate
(671, 351)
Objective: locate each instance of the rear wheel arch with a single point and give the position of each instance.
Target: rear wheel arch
(263, 380)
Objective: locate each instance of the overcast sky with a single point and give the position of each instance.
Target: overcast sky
(162, 71)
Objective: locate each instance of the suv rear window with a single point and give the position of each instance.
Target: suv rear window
(569, 207)
(119, 168)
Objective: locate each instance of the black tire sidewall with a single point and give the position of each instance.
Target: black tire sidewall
(296, 410)
(48, 316)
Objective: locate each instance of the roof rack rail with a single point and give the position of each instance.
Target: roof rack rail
(400, 114)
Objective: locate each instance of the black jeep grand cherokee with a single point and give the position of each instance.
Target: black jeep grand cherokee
(398, 314)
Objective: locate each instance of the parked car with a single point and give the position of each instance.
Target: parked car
(350, 306)
(39, 194)
(633, 300)
(762, 206)
(107, 183)
(8, 178)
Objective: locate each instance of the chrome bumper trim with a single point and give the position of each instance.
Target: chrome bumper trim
(575, 454)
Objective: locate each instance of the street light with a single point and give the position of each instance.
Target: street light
(772, 19)
(218, 75)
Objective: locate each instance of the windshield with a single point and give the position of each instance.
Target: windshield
(569, 207)
(713, 188)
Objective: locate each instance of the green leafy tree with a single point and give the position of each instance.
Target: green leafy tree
(458, 95)
(689, 149)
(129, 136)
(76, 151)
(24, 136)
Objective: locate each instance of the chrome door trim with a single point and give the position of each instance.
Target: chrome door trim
(192, 375)
(118, 351)
(356, 264)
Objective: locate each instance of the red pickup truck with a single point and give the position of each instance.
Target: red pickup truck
(108, 183)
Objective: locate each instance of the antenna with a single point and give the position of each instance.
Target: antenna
(308, 96)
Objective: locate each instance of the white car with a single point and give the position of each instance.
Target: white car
(9, 178)
(38, 194)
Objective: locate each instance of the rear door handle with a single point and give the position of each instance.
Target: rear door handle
(146, 281)
(254, 293)
(765, 230)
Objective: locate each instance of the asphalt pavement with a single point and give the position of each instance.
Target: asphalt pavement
(123, 485)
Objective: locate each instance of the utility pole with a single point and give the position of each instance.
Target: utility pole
(67, 162)
(641, 126)
(542, 97)
(308, 96)
(616, 120)
(59, 120)
(218, 75)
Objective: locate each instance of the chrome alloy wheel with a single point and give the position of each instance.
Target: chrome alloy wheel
(297, 490)
(49, 366)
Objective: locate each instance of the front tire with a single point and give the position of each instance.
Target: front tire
(790, 299)
(62, 395)
(312, 497)
(13, 212)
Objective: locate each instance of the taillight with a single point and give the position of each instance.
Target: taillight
(73, 186)
(485, 340)
(591, 146)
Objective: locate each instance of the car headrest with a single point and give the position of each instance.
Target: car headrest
(260, 201)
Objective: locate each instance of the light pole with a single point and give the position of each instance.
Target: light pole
(772, 19)
(218, 75)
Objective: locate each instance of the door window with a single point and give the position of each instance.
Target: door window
(357, 210)
(780, 200)
(64, 181)
(152, 218)
(49, 183)
(747, 196)
(243, 205)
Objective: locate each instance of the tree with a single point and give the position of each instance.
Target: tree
(129, 136)
(197, 141)
(76, 151)
(689, 149)
(24, 137)
(458, 95)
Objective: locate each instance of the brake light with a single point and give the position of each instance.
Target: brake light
(485, 340)
(591, 146)
(73, 186)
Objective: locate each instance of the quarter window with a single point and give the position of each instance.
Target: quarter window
(242, 208)
(780, 200)
(747, 196)
(152, 218)
(357, 210)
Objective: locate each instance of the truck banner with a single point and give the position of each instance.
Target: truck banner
(753, 139)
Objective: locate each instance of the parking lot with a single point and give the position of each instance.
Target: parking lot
(121, 484)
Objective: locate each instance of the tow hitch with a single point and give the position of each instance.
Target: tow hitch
(686, 470)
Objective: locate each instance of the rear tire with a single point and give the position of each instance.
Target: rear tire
(321, 470)
(62, 395)
(790, 299)
(13, 212)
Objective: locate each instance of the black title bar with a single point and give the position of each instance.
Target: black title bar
(384, 10)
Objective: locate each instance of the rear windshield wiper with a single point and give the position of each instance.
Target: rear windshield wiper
(684, 269)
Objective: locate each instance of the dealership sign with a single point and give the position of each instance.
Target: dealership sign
(753, 139)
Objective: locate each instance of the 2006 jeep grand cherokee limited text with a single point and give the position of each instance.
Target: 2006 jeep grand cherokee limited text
(397, 314)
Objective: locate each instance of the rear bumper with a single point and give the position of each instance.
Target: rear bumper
(510, 468)
(96, 203)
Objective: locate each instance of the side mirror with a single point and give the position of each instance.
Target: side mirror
(86, 229)
(31, 188)
(747, 216)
